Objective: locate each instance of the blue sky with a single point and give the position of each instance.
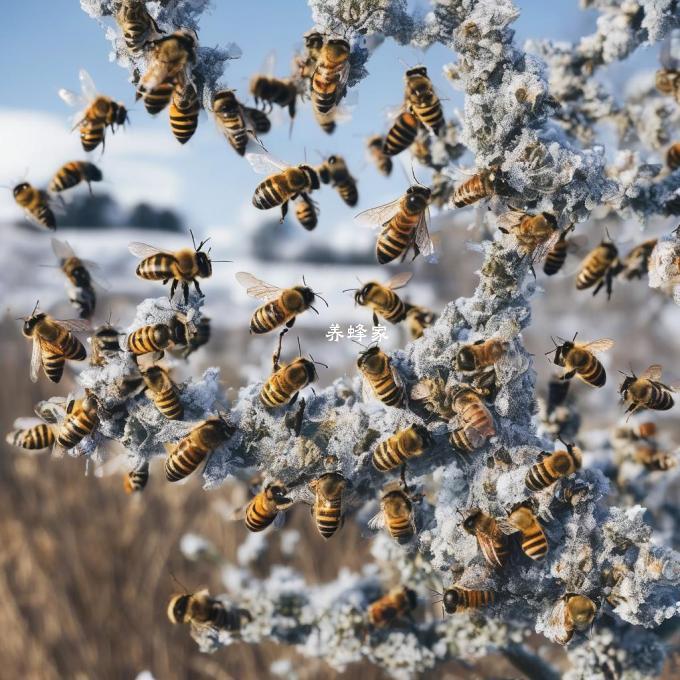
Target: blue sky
(205, 180)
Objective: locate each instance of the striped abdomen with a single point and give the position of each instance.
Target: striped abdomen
(158, 267)
(327, 513)
(136, 480)
(593, 372)
(70, 346)
(183, 460)
(470, 191)
(76, 427)
(168, 403)
(53, 364)
(223, 618)
(348, 193)
(474, 414)
(556, 257)
(401, 134)
(43, 213)
(325, 86)
(534, 542)
(386, 389)
(260, 513)
(92, 133)
(539, 477)
(67, 176)
(268, 317)
(149, 339)
(660, 398)
(472, 599)
(34, 438)
(401, 528)
(269, 194)
(184, 110)
(278, 391)
(395, 308)
(235, 129)
(397, 236)
(326, 121)
(595, 266)
(306, 214)
(460, 440)
(429, 114)
(390, 454)
(156, 100)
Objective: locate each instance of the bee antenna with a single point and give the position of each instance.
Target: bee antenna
(178, 582)
(35, 308)
(299, 347)
(220, 260)
(193, 240)
(321, 298)
(346, 290)
(202, 243)
(360, 343)
(320, 363)
(316, 311)
(574, 338)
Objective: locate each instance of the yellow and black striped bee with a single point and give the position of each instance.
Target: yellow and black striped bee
(184, 110)
(327, 508)
(329, 79)
(646, 391)
(267, 507)
(185, 456)
(399, 448)
(475, 422)
(231, 119)
(668, 82)
(163, 392)
(654, 460)
(81, 292)
(401, 134)
(396, 514)
(491, 540)
(635, 264)
(99, 112)
(280, 91)
(382, 299)
(579, 359)
(399, 602)
(53, 343)
(33, 437)
(553, 466)
(147, 339)
(200, 610)
(168, 57)
(422, 100)
(456, 599)
(334, 171)
(74, 172)
(183, 266)
(419, 318)
(536, 235)
(484, 184)
(598, 268)
(284, 183)
(282, 305)
(381, 160)
(534, 542)
(137, 479)
(572, 612)
(673, 156)
(379, 374)
(105, 343)
(404, 225)
(307, 212)
(36, 205)
(480, 354)
(137, 25)
(157, 99)
(81, 419)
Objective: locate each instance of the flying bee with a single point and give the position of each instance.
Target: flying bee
(382, 299)
(267, 507)
(484, 184)
(668, 82)
(80, 420)
(163, 392)
(456, 599)
(137, 25)
(184, 110)
(327, 508)
(475, 422)
(183, 266)
(418, 319)
(396, 514)
(29, 435)
(536, 235)
(480, 354)
(307, 212)
(280, 91)
(99, 112)
(534, 541)
(231, 119)
(421, 149)
(201, 611)
(282, 305)
(168, 58)
(646, 391)
(579, 359)
(329, 79)
(399, 602)
(404, 225)
(185, 456)
(653, 459)
(147, 339)
(553, 466)
(81, 292)
(36, 205)
(635, 264)
(572, 612)
(105, 344)
(491, 540)
(285, 182)
(422, 100)
(401, 134)
(73, 173)
(334, 171)
(53, 343)
(598, 268)
(374, 147)
(379, 374)
(136, 480)
(397, 449)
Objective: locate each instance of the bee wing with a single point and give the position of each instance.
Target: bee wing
(143, 250)
(420, 391)
(653, 372)
(475, 437)
(62, 249)
(75, 325)
(505, 526)
(269, 63)
(510, 219)
(399, 281)
(577, 244)
(380, 215)
(366, 390)
(422, 236)
(257, 288)
(87, 85)
(72, 99)
(265, 164)
(597, 346)
(238, 513)
(377, 522)
(488, 549)
(24, 423)
(51, 411)
(542, 250)
(36, 359)
(279, 520)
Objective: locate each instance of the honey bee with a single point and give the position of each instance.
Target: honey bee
(646, 391)
(282, 305)
(480, 354)
(553, 466)
(232, 119)
(327, 508)
(475, 422)
(285, 183)
(185, 456)
(598, 268)
(199, 337)
(382, 299)
(536, 235)
(635, 264)
(329, 79)
(456, 599)
(36, 205)
(396, 514)
(183, 266)
(200, 610)
(53, 343)
(418, 319)
(421, 148)
(136, 480)
(82, 295)
(99, 112)
(137, 25)
(491, 540)
(668, 82)
(147, 339)
(422, 99)
(74, 172)
(168, 58)
(334, 171)
(105, 344)
(267, 506)
(572, 612)
(401, 134)
(163, 392)
(81, 419)
(401, 446)
(399, 602)
(534, 541)
(306, 211)
(404, 225)
(33, 437)
(381, 160)
(579, 359)
(484, 184)
(653, 459)
(184, 110)
(557, 255)
(157, 99)
(379, 374)
(280, 91)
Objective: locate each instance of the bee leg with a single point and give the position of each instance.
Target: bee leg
(284, 211)
(198, 288)
(173, 288)
(503, 230)
(375, 319)
(185, 290)
(597, 288)
(610, 280)
(277, 354)
(290, 323)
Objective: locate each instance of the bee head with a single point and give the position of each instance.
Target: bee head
(121, 116)
(178, 608)
(628, 381)
(416, 71)
(470, 522)
(465, 359)
(332, 483)
(203, 263)
(416, 195)
(337, 50)
(362, 294)
(371, 357)
(451, 600)
(186, 39)
(31, 321)
(424, 434)
(312, 176)
(20, 188)
(313, 40)
(223, 101)
(277, 492)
